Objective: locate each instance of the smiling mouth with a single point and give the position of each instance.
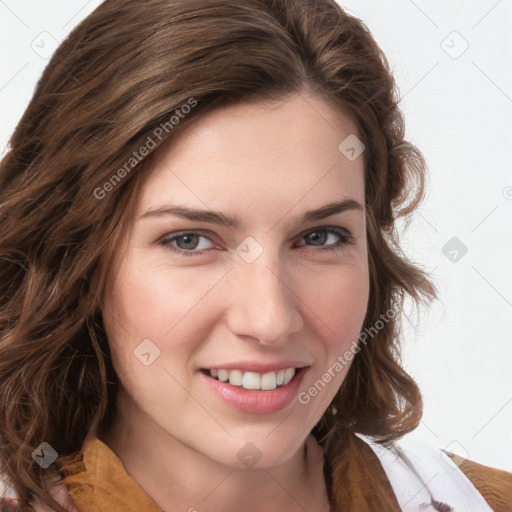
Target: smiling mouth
(253, 380)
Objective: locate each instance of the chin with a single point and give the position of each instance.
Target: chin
(259, 451)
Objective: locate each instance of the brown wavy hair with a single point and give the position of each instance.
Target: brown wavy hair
(121, 74)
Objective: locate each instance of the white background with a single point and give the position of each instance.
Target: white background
(458, 109)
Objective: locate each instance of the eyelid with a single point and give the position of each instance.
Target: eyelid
(330, 229)
(170, 237)
(182, 232)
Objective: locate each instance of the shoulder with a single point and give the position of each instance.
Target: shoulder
(411, 465)
(493, 484)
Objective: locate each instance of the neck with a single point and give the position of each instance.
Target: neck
(179, 478)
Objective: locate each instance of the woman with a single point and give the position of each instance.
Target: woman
(201, 279)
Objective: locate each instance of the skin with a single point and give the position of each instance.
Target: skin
(266, 164)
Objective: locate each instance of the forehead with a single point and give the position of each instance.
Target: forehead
(258, 156)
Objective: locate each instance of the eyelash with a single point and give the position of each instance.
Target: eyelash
(345, 240)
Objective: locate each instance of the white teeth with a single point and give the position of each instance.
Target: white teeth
(269, 381)
(288, 375)
(223, 375)
(253, 380)
(235, 377)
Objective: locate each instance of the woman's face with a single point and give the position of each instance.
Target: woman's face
(229, 269)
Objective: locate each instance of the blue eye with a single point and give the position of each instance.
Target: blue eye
(188, 244)
(196, 243)
(320, 236)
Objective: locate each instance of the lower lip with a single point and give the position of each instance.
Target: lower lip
(255, 401)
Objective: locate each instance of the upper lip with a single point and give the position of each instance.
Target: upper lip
(254, 366)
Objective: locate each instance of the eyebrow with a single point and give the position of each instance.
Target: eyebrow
(232, 222)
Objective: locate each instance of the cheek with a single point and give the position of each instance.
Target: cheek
(339, 300)
(166, 306)
(147, 312)
(151, 301)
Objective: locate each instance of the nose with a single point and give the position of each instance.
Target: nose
(263, 304)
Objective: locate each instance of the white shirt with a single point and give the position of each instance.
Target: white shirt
(420, 473)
